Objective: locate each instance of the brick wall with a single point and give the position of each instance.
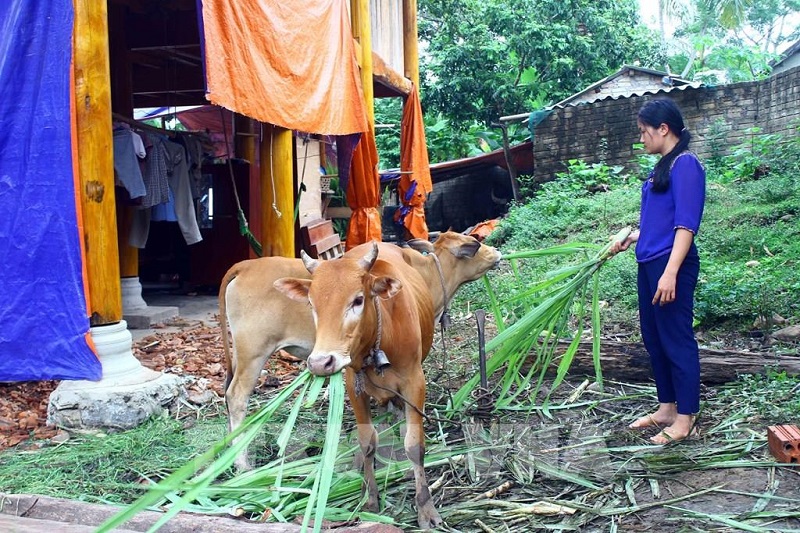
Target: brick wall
(604, 131)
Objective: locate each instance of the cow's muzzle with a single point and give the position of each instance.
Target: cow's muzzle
(326, 364)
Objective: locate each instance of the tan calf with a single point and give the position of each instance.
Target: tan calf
(263, 321)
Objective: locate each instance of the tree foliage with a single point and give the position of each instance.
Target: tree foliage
(719, 41)
(483, 59)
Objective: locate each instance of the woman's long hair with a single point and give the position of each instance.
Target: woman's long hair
(663, 111)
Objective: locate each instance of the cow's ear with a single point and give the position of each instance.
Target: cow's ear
(385, 287)
(467, 249)
(296, 289)
(421, 245)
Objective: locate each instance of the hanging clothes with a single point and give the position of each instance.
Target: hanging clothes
(155, 171)
(182, 205)
(126, 163)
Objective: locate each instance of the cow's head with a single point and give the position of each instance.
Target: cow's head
(341, 294)
(463, 257)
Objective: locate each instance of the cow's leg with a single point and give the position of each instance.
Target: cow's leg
(248, 360)
(427, 515)
(367, 441)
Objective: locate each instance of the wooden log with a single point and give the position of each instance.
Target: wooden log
(46, 514)
(625, 361)
(94, 152)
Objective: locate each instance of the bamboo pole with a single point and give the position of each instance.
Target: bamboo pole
(95, 161)
(277, 191)
(410, 38)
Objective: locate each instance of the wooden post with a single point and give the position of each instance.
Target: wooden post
(95, 161)
(410, 38)
(277, 191)
(245, 147)
(122, 103)
(359, 15)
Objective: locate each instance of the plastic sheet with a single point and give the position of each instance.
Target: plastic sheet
(288, 63)
(43, 322)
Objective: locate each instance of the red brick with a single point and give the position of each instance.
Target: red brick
(784, 443)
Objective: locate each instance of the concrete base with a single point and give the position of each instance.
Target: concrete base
(146, 317)
(86, 404)
(135, 310)
(127, 395)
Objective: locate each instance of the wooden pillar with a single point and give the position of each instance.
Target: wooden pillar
(95, 161)
(277, 191)
(359, 15)
(122, 103)
(246, 147)
(410, 38)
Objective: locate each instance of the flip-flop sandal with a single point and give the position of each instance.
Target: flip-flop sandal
(651, 422)
(693, 434)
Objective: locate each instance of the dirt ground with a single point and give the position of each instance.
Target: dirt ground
(192, 348)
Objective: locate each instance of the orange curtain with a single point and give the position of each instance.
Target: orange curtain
(415, 178)
(364, 193)
(291, 63)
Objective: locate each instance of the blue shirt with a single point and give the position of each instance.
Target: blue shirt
(680, 206)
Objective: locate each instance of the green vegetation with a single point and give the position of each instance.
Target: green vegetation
(749, 240)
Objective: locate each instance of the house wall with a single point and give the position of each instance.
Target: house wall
(605, 131)
(386, 24)
(308, 158)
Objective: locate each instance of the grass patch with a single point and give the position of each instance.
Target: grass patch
(109, 467)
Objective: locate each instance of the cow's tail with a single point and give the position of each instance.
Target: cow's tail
(230, 275)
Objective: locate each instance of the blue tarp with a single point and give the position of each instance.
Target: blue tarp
(43, 319)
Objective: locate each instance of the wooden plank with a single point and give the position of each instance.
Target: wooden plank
(317, 230)
(328, 243)
(21, 524)
(20, 511)
(95, 161)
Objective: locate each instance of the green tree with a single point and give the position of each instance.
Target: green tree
(483, 59)
(727, 40)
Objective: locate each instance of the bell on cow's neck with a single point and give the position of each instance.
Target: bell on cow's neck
(381, 361)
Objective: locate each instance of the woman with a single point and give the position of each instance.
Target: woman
(672, 206)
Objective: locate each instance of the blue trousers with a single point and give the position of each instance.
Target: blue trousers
(668, 335)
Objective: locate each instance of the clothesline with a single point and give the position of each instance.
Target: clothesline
(154, 129)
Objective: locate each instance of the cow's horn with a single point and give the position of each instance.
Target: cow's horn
(310, 263)
(368, 260)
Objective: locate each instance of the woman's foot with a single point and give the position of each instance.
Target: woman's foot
(684, 427)
(663, 417)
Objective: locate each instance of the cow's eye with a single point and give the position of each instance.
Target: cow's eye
(358, 302)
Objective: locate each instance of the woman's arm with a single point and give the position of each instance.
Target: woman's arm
(665, 293)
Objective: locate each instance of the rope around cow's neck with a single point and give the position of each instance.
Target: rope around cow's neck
(445, 318)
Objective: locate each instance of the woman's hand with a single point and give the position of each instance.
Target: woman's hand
(621, 246)
(665, 292)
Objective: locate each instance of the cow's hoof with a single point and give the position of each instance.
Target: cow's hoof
(428, 517)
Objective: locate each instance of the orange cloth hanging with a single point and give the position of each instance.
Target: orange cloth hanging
(285, 62)
(364, 193)
(415, 168)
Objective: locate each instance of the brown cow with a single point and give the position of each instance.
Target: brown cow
(368, 304)
(263, 321)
